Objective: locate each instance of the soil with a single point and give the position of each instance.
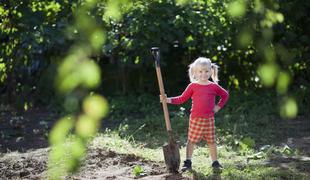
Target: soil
(295, 134)
(24, 149)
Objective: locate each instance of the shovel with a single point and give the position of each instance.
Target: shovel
(171, 150)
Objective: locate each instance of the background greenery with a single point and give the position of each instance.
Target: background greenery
(239, 36)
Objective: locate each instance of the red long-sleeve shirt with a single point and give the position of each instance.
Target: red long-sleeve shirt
(203, 98)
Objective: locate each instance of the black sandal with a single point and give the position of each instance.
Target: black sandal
(187, 165)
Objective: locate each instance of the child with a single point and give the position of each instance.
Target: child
(203, 93)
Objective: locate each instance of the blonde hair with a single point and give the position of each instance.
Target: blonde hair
(202, 61)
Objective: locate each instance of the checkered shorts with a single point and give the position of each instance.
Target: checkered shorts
(201, 128)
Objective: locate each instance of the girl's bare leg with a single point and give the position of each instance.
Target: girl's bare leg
(213, 151)
(189, 150)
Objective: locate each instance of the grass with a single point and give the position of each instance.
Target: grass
(112, 141)
(237, 166)
(244, 116)
(246, 124)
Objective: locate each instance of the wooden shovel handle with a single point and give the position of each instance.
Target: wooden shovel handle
(156, 55)
(164, 102)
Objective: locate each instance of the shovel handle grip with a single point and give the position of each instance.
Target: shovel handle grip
(156, 55)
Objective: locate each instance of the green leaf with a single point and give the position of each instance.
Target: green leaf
(90, 74)
(137, 171)
(57, 165)
(95, 106)
(97, 39)
(247, 144)
(113, 10)
(245, 38)
(268, 73)
(77, 150)
(68, 76)
(77, 70)
(287, 150)
(258, 155)
(236, 8)
(283, 82)
(289, 108)
(86, 126)
(182, 2)
(269, 53)
(189, 39)
(61, 129)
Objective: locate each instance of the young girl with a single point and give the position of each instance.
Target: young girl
(203, 93)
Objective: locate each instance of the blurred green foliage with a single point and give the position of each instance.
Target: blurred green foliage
(256, 43)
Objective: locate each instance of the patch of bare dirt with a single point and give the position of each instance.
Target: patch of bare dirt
(24, 151)
(295, 134)
(98, 164)
(104, 164)
(30, 165)
(24, 132)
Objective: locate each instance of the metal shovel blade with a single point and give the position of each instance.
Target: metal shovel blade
(172, 156)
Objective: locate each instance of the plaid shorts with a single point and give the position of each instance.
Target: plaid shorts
(201, 128)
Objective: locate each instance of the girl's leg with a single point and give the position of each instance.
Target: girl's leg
(213, 154)
(213, 151)
(189, 150)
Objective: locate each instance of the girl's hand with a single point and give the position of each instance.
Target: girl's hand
(216, 108)
(161, 98)
(168, 100)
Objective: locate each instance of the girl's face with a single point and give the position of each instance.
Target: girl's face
(203, 73)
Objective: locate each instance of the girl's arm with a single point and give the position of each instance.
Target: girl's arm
(183, 97)
(223, 94)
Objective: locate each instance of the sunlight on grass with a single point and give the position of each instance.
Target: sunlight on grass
(236, 165)
(114, 142)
